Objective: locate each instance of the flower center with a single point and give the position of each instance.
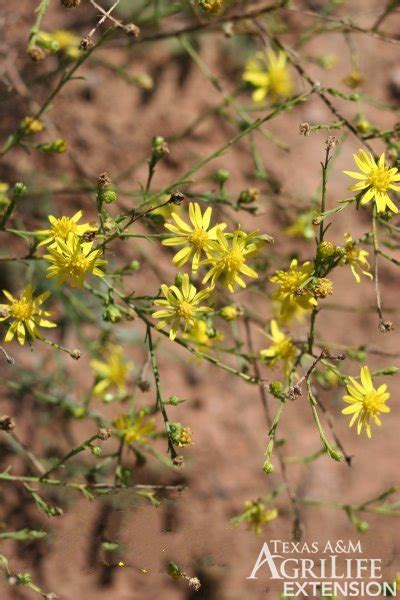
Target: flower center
(371, 403)
(379, 179)
(78, 265)
(199, 238)
(291, 282)
(278, 81)
(233, 260)
(284, 348)
(22, 310)
(185, 310)
(63, 227)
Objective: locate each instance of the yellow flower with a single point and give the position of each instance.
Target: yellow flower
(211, 6)
(180, 436)
(62, 227)
(67, 41)
(357, 259)
(137, 428)
(256, 515)
(195, 239)
(354, 79)
(322, 287)
(301, 227)
(199, 336)
(292, 311)
(4, 199)
(180, 305)
(293, 288)
(113, 372)
(365, 401)
(31, 125)
(228, 261)
(26, 315)
(269, 74)
(376, 179)
(73, 259)
(281, 349)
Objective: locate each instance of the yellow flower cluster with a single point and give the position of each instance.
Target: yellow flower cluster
(224, 255)
(293, 294)
(71, 257)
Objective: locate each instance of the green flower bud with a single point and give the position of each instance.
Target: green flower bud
(174, 571)
(221, 176)
(362, 527)
(109, 196)
(159, 149)
(268, 467)
(134, 265)
(96, 450)
(108, 398)
(174, 400)
(178, 279)
(57, 147)
(326, 249)
(19, 190)
(112, 314)
(363, 126)
(24, 578)
(276, 389)
(78, 412)
(249, 196)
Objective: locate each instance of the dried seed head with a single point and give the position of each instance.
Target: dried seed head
(104, 180)
(304, 129)
(385, 326)
(331, 142)
(295, 391)
(85, 43)
(75, 354)
(7, 423)
(104, 433)
(36, 53)
(132, 29)
(178, 461)
(194, 583)
(143, 385)
(89, 236)
(177, 198)
(71, 3)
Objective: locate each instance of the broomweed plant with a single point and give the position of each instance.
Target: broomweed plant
(164, 269)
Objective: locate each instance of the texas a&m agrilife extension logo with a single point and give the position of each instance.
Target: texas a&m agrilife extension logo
(338, 569)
